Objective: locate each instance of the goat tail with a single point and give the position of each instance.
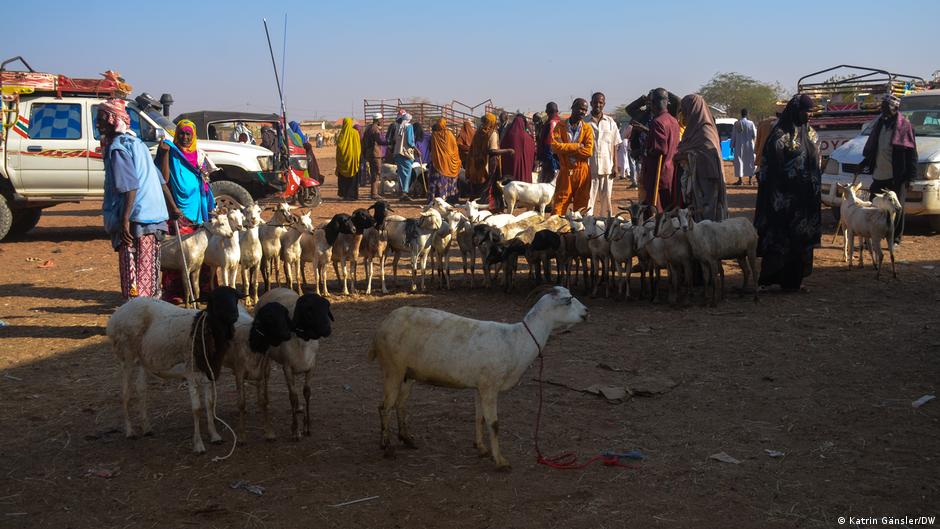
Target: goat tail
(499, 184)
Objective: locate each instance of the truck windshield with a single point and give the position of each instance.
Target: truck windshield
(161, 120)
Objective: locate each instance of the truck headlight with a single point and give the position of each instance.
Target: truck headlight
(832, 167)
(266, 163)
(931, 171)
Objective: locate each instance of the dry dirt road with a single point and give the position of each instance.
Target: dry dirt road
(825, 377)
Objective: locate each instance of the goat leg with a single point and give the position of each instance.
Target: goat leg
(307, 403)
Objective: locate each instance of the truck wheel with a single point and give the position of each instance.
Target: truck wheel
(229, 194)
(6, 218)
(25, 220)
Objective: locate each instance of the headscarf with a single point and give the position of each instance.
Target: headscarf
(903, 135)
(465, 138)
(116, 113)
(522, 160)
(313, 168)
(190, 153)
(797, 104)
(294, 126)
(700, 130)
(480, 150)
(348, 150)
(444, 153)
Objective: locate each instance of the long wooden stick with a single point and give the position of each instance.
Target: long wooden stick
(659, 171)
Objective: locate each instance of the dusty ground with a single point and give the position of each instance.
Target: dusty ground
(827, 377)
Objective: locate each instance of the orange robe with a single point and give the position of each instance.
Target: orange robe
(573, 184)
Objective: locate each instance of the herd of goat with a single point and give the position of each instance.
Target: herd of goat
(416, 344)
(239, 243)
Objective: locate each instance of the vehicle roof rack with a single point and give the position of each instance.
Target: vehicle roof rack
(27, 82)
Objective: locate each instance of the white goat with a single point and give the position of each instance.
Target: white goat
(538, 196)
(712, 242)
(270, 234)
(291, 250)
(872, 223)
(311, 318)
(149, 335)
(475, 211)
(224, 252)
(440, 245)
(622, 250)
(315, 249)
(444, 349)
(413, 237)
(250, 244)
(194, 250)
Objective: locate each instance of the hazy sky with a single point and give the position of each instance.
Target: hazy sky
(213, 55)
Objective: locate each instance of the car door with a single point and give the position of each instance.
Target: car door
(95, 158)
(53, 154)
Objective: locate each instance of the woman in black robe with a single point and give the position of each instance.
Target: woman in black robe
(787, 215)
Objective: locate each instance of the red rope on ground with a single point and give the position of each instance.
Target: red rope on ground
(565, 460)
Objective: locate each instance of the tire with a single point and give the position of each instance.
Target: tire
(24, 220)
(309, 197)
(230, 194)
(6, 218)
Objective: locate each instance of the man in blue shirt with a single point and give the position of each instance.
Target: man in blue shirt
(134, 207)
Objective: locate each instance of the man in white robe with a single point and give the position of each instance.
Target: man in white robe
(742, 143)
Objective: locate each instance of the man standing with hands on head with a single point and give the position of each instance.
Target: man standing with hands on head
(603, 164)
(573, 142)
(891, 154)
(661, 144)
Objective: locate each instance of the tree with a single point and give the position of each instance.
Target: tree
(735, 91)
(620, 114)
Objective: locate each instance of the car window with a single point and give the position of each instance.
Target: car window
(724, 131)
(55, 121)
(925, 122)
(135, 121)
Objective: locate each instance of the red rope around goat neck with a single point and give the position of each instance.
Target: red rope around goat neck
(565, 460)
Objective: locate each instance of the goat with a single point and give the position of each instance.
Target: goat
(342, 237)
(475, 212)
(248, 357)
(619, 234)
(440, 245)
(315, 249)
(484, 238)
(311, 317)
(149, 335)
(598, 250)
(250, 244)
(291, 251)
(270, 234)
(375, 243)
(506, 254)
(412, 236)
(464, 237)
(538, 196)
(223, 252)
(546, 245)
(443, 349)
(711, 242)
(194, 250)
(873, 223)
(582, 250)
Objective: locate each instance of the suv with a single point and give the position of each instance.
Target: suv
(50, 151)
(923, 195)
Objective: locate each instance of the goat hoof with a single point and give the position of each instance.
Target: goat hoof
(216, 441)
(503, 466)
(199, 449)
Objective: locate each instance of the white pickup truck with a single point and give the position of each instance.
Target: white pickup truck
(923, 194)
(51, 155)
